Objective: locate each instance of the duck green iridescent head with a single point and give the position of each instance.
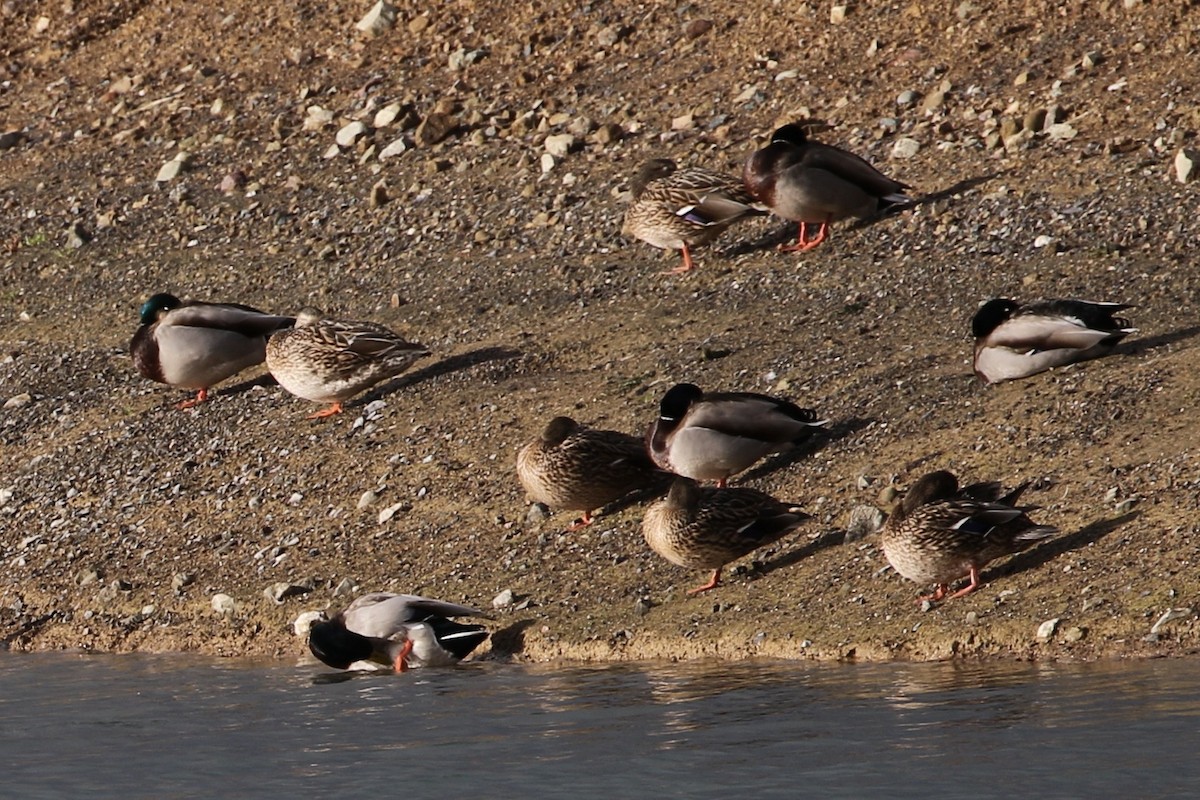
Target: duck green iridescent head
(158, 305)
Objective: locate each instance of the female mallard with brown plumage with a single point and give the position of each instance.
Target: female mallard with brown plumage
(674, 209)
(581, 469)
(329, 361)
(939, 533)
(191, 344)
(1015, 341)
(816, 184)
(701, 528)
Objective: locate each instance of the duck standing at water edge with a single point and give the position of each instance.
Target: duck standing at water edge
(1014, 341)
(939, 533)
(702, 528)
(816, 184)
(709, 437)
(398, 631)
(329, 361)
(191, 344)
(578, 468)
(673, 209)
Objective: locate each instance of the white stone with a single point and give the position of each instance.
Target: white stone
(223, 604)
(503, 600)
(392, 150)
(389, 512)
(351, 133)
(559, 144)
(386, 115)
(379, 19)
(1185, 164)
(305, 621)
(1042, 241)
(1046, 630)
(905, 148)
(1061, 131)
(316, 118)
(367, 499)
(547, 162)
(169, 171)
(18, 400)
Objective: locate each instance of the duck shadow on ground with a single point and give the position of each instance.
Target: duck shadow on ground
(1137, 347)
(796, 555)
(508, 641)
(1053, 548)
(787, 233)
(820, 437)
(455, 363)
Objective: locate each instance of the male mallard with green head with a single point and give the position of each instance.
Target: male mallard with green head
(191, 344)
(816, 184)
(329, 361)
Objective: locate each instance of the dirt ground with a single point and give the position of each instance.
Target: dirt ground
(1045, 141)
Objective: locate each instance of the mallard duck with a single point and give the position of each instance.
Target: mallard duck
(707, 528)
(573, 467)
(709, 437)
(815, 184)
(674, 209)
(1015, 341)
(398, 631)
(191, 344)
(329, 361)
(939, 533)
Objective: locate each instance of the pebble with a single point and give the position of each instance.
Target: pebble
(386, 115)
(559, 145)
(538, 512)
(1074, 634)
(379, 195)
(10, 139)
(367, 499)
(305, 620)
(182, 580)
(379, 20)
(19, 400)
(1042, 241)
(1169, 615)
(346, 586)
(1185, 164)
(547, 163)
(389, 512)
(864, 521)
(316, 118)
(1061, 132)
(608, 133)
(1046, 630)
(434, 128)
(642, 606)
(503, 600)
(170, 170)
(907, 98)
(933, 101)
(350, 133)
(837, 14)
(278, 592)
(395, 148)
(697, 28)
(905, 148)
(223, 604)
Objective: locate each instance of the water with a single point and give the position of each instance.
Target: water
(187, 727)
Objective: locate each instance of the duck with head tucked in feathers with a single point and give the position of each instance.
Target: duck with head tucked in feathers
(709, 437)
(939, 533)
(570, 466)
(674, 209)
(701, 528)
(329, 361)
(398, 631)
(191, 344)
(1015, 341)
(816, 184)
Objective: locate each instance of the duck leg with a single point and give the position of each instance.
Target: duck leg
(712, 583)
(970, 587)
(803, 243)
(400, 664)
(687, 265)
(200, 397)
(581, 523)
(336, 408)
(938, 594)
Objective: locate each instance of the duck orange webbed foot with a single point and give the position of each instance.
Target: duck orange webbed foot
(336, 408)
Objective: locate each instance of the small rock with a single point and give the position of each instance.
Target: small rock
(503, 600)
(379, 20)
(538, 512)
(697, 28)
(1126, 505)
(608, 133)
(837, 14)
(386, 115)
(905, 148)
(1035, 120)
(864, 521)
(351, 133)
(232, 182)
(1042, 240)
(169, 171)
(1074, 634)
(1169, 615)
(559, 145)
(316, 118)
(77, 236)
(972, 617)
(907, 98)
(1185, 164)
(1061, 132)
(1022, 78)
(642, 606)
(1009, 127)
(223, 604)
(434, 128)
(18, 400)
(1046, 630)
(685, 122)
(278, 592)
(367, 499)
(182, 580)
(933, 101)
(10, 139)
(379, 195)
(1091, 59)
(394, 149)
(346, 586)
(547, 163)
(389, 512)
(305, 620)
(87, 577)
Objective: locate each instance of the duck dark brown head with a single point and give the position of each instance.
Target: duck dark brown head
(336, 646)
(929, 488)
(684, 493)
(650, 171)
(992, 315)
(557, 430)
(153, 309)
